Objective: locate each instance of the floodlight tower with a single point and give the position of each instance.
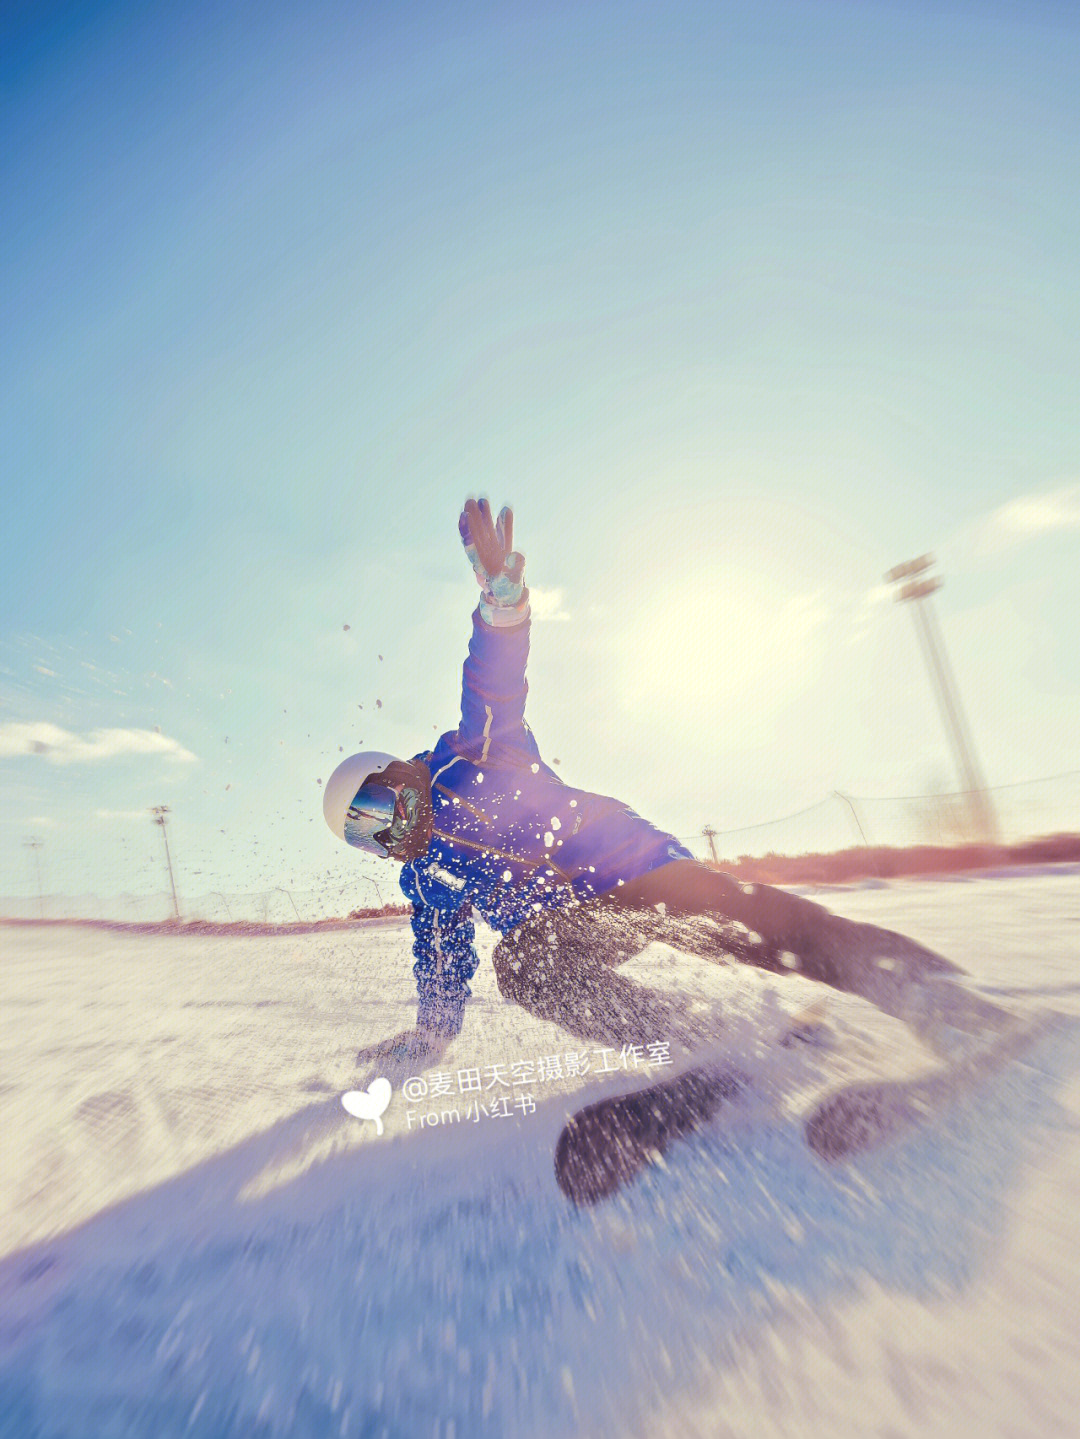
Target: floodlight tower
(916, 585)
(159, 811)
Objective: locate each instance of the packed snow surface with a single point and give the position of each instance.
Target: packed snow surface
(198, 1240)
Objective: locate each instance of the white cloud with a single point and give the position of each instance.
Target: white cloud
(547, 604)
(861, 610)
(1027, 517)
(878, 595)
(60, 746)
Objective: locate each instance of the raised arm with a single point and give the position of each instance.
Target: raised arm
(493, 688)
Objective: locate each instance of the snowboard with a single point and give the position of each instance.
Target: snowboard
(865, 1116)
(606, 1144)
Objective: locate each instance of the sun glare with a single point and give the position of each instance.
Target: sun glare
(740, 633)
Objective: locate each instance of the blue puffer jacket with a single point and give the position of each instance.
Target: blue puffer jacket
(510, 838)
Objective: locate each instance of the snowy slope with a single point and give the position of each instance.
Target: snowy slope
(198, 1240)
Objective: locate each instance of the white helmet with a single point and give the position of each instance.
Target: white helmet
(345, 784)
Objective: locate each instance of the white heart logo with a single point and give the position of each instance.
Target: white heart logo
(369, 1103)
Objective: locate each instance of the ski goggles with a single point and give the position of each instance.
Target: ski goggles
(381, 816)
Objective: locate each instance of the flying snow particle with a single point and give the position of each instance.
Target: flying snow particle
(480, 776)
(380, 656)
(535, 767)
(549, 839)
(556, 823)
(346, 628)
(378, 704)
(507, 876)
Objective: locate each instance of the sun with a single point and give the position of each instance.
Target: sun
(741, 633)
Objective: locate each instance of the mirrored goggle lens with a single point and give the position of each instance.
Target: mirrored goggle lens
(371, 813)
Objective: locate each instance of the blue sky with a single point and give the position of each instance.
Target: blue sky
(739, 305)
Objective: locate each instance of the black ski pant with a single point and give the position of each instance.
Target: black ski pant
(561, 965)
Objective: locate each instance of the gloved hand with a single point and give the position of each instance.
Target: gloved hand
(404, 1055)
(413, 1045)
(498, 566)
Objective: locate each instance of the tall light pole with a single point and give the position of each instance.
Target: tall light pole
(159, 811)
(916, 585)
(34, 845)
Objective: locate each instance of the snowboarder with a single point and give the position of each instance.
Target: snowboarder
(576, 882)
